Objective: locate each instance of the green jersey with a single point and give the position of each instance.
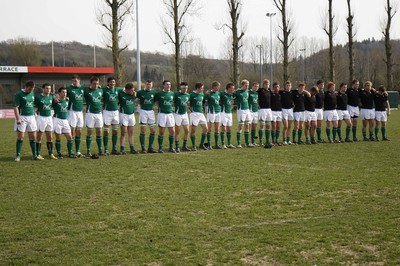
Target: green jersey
(181, 102)
(146, 99)
(110, 98)
(75, 96)
(165, 100)
(226, 102)
(212, 100)
(25, 102)
(61, 109)
(196, 102)
(253, 101)
(242, 99)
(93, 100)
(44, 104)
(126, 103)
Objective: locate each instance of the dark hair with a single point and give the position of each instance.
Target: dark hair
(165, 81)
(320, 81)
(198, 85)
(183, 83)
(354, 81)
(342, 84)
(381, 88)
(275, 84)
(129, 86)
(45, 85)
(149, 81)
(30, 84)
(229, 85)
(75, 77)
(61, 89)
(94, 78)
(110, 78)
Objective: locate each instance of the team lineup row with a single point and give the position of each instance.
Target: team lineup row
(112, 107)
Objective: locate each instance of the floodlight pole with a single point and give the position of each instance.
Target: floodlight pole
(304, 63)
(261, 48)
(270, 15)
(139, 82)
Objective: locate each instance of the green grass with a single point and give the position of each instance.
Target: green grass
(303, 205)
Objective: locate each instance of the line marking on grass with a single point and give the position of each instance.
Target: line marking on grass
(287, 221)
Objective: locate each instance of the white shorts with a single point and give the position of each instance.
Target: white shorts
(319, 113)
(226, 119)
(244, 116)
(147, 117)
(181, 120)
(127, 120)
(165, 120)
(299, 116)
(367, 114)
(265, 115)
(197, 119)
(354, 111)
(111, 117)
(94, 120)
(75, 118)
(343, 114)
(287, 114)
(331, 115)
(381, 116)
(276, 116)
(28, 123)
(61, 126)
(310, 116)
(213, 117)
(254, 117)
(44, 123)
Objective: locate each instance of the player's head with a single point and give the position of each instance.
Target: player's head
(331, 86)
(355, 84)
(288, 85)
(111, 81)
(314, 90)
(129, 88)
(275, 87)
(381, 89)
(343, 87)
(265, 83)
(62, 92)
(149, 85)
(199, 87)
(301, 86)
(183, 87)
(46, 88)
(76, 80)
(215, 86)
(255, 86)
(367, 85)
(29, 86)
(245, 84)
(230, 87)
(94, 82)
(167, 85)
(320, 84)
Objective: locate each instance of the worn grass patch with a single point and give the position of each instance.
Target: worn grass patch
(319, 204)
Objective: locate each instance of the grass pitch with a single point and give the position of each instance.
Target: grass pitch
(318, 204)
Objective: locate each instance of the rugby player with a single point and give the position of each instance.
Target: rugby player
(197, 117)
(127, 119)
(181, 116)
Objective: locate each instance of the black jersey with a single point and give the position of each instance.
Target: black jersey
(353, 97)
(264, 98)
(319, 99)
(298, 101)
(287, 99)
(309, 103)
(380, 102)
(342, 100)
(330, 100)
(366, 99)
(276, 103)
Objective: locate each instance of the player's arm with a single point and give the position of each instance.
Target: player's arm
(387, 104)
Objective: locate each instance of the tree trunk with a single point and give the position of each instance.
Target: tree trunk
(351, 41)
(331, 47)
(388, 46)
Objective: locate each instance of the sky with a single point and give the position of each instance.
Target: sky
(75, 20)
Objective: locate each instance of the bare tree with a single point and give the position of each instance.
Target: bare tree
(25, 52)
(330, 29)
(237, 35)
(112, 16)
(177, 32)
(350, 34)
(391, 10)
(285, 40)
